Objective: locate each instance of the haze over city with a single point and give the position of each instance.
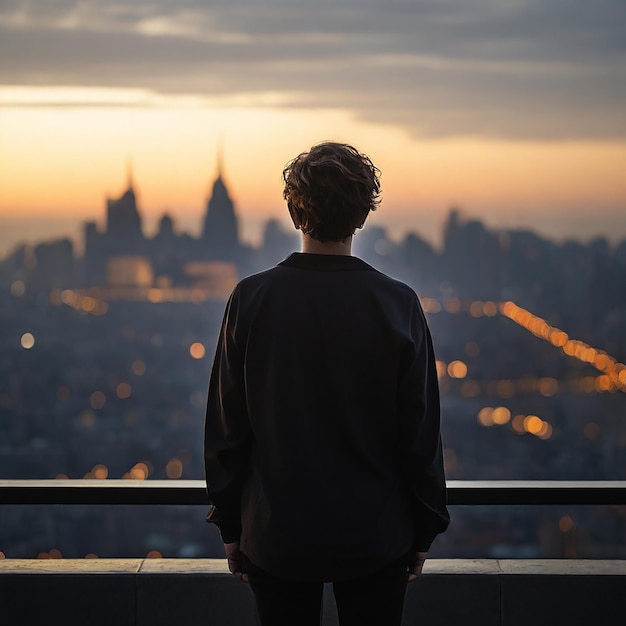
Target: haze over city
(513, 110)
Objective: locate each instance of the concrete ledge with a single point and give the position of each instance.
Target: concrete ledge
(142, 592)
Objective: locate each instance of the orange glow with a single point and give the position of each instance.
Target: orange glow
(100, 472)
(505, 388)
(139, 368)
(485, 416)
(197, 350)
(548, 386)
(518, 424)
(123, 391)
(430, 305)
(570, 347)
(603, 383)
(441, 369)
(545, 432)
(470, 389)
(476, 308)
(457, 369)
(139, 471)
(154, 554)
(174, 468)
(87, 418)
(452, 305)
(501, 415)
(155, 295)
(2, 555)
(568, 176)
(27, 341)
(97, 399)
(490, 308)
(533, 424)
(91, 555)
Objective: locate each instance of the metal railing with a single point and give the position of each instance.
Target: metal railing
(193, 492)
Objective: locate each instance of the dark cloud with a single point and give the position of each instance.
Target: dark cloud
(503, 68)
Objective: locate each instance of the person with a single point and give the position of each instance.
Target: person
(323, 451)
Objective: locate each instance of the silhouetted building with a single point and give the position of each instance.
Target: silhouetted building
(167, 253)
(55, 263)
(124, 223)
(220, 236)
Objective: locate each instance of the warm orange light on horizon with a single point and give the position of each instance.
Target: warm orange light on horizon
(64, 161)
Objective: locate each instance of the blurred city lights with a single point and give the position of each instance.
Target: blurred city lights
(457, 369)
(100, 471)
(87, 418)
(18, 288)
(485, 416)
(501, 415)
(123, 391)
(174, 468)
(614, 373)
(197, 350)
(138, 367)
(430, 305)
(97, 399)
(518, 424)
(27, 340)
(139, 471)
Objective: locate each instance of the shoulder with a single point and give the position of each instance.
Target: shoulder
(393, 286)
(254, 282)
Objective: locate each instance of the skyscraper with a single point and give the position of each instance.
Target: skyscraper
(124, 222)
(220, 236)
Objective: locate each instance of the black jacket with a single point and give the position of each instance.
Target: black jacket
(322, 439)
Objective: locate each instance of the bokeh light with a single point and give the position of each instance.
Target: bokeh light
(27, 340)
(197, 350)
(174, 468)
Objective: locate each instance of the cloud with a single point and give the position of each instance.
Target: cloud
(522, 69)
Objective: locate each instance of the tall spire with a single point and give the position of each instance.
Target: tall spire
(220, 232)
(220, 156)
(129, 172)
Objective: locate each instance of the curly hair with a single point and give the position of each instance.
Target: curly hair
(330, 190)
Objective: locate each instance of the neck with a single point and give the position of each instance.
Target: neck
(313, 246)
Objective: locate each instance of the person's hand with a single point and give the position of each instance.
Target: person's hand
(416, 567)
(235, 561)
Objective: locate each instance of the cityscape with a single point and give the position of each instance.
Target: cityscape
(106, 356)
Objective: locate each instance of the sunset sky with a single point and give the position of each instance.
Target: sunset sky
(514, 110)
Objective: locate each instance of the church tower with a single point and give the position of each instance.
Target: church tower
(220, 236)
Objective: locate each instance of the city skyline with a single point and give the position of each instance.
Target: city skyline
(512, 110)
(28, 229)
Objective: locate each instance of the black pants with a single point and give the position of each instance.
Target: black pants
(374, 600)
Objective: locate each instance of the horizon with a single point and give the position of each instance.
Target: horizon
(31, 230)
(512, 110)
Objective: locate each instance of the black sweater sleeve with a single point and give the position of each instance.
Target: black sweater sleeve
(421, 449)
(227, 432)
